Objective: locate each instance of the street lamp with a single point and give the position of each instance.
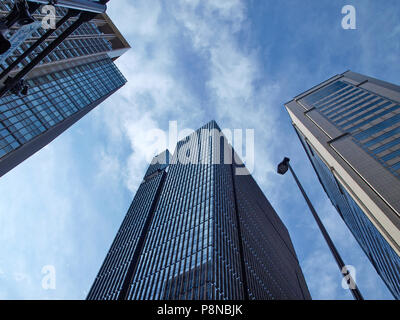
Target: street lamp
(283, 167)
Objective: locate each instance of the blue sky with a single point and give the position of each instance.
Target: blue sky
(234, 61)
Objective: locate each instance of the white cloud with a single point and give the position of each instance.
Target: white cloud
(155, 94)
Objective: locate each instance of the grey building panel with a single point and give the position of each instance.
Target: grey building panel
(330, 130)
(350, 128)
(362, 79)
(384, 259)
(375, 175)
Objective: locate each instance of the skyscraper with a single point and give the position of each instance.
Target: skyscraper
(75, 78)
(350, 128)
(199, 228)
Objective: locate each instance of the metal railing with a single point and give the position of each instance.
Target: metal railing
(86, 10)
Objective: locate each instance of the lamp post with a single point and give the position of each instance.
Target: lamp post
(283, 167)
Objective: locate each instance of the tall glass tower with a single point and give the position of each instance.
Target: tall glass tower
(199, 227)
(75, 78)
(350, 128)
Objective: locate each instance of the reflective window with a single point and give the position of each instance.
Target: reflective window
(52, 99)
(387, 146)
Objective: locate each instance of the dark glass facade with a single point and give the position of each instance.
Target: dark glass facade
(196, 230)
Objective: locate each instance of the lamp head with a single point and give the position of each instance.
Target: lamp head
(283, 167)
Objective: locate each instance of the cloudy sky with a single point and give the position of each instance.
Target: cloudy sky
(192, 61)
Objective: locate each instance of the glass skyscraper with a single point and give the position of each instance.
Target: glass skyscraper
(197, 229)
(75, 78)
(350, 128)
